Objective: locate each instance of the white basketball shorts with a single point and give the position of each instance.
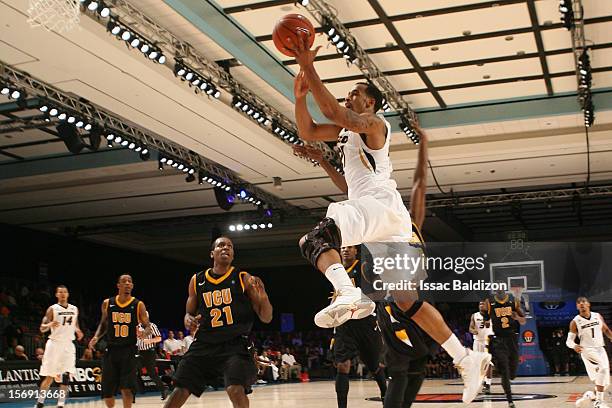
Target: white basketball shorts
(59, 358)
(597, 365)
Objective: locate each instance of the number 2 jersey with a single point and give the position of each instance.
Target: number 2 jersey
(226, 309)
(122, 322)
(590, 330)
(67, 318)
(500, 313)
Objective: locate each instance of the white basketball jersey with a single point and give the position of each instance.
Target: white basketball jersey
(366, 171)
(483, 331)
(67, 318)
(590, 330)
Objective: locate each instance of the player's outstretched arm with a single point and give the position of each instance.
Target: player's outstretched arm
(571, 337)
(419, 182)
(47, 321)
(101, 327)
(317, 155)
(256, 291)
(307, 128)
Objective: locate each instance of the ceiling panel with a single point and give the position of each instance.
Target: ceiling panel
(25, 136)
(561, 63)
(497, 70)
(602, 79)
(372, 36)
(389, 61)
(421, 100)
(394, 7)
(601, 58)
(493, 92)
(353, 10)
(406, 82)
(453, 25)
(476, 49)
(556, 39)
(548, 11)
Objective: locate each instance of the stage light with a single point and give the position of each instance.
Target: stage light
(189, 76)
(126, 35)
(239, 227)
(15, 94)
(79, 124)
(145, 48)
(115, 30)
(68, 133)
(247, 227)
(232, 228)
(135, 42)
(61, 116)
(243, 194)
(132, 145)
(5, 90)
(87, 127)
(92, 6)
(71, 119)
(104, 11)
(567, 13)
(269, 225)
(118, 139)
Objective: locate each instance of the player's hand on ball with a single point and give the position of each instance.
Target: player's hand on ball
(303, 55)
(300, 85)
(79, 334)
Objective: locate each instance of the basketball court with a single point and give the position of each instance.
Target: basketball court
(546, 392)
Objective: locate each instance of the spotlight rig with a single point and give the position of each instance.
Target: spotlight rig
(286, 134)
(135, 40)
(113, 140)
(252, 110)
(177, 164)
(98, 7)
(249, 226)
(567, 13)
(12, 92)
(343, 45)
(584, 87)
(194, 79)
(410, 132)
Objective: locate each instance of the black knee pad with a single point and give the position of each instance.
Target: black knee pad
(322, 238)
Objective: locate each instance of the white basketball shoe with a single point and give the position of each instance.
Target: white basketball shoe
(473, 369)
(348, 303)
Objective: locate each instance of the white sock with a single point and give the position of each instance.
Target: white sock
(488, 381)
(454, 348)
(337, 275)
(600, 395)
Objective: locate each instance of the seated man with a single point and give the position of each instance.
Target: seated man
(289, 366)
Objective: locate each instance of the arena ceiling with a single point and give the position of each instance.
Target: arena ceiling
(493, 82)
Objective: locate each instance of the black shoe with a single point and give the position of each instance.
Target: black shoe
(39, 405)
(164, 393)
(511, 405)
(486, 389)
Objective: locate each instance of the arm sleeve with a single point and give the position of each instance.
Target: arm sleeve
(570, 340)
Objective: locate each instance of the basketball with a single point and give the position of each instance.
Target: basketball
(287, 29)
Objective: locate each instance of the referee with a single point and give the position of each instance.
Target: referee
(147, 356)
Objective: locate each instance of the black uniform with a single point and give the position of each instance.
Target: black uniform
(504, 344)
(119, 361)
(358, 337)
(220, 353)
(405, 353)
(406, 346)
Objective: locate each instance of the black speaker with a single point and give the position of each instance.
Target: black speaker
(224, 199)
(69, 134)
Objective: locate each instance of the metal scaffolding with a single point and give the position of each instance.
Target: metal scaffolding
(114, 123)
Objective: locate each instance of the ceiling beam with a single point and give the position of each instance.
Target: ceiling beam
(535, 25)
(407, 53)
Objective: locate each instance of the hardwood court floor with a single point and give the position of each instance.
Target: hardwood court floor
(322, 395)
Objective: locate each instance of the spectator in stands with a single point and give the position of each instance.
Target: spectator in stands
(188, 340)
(267, 369)
(18, 354)
(38, 353)
(289, 368)
(87, 355)
(181, 339)
(172, 346)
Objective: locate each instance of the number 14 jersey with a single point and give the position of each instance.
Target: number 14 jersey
(67, 318)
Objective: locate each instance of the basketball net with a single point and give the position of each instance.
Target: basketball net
(54, 15)
(523, 298)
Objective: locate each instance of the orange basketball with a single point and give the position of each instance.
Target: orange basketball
(287, 28)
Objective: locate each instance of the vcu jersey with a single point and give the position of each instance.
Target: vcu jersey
(590, 330)
(226, 310)
(67, 318)
(122, 321)
(500, 313)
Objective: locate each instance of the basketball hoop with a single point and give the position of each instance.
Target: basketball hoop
(54, 15)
